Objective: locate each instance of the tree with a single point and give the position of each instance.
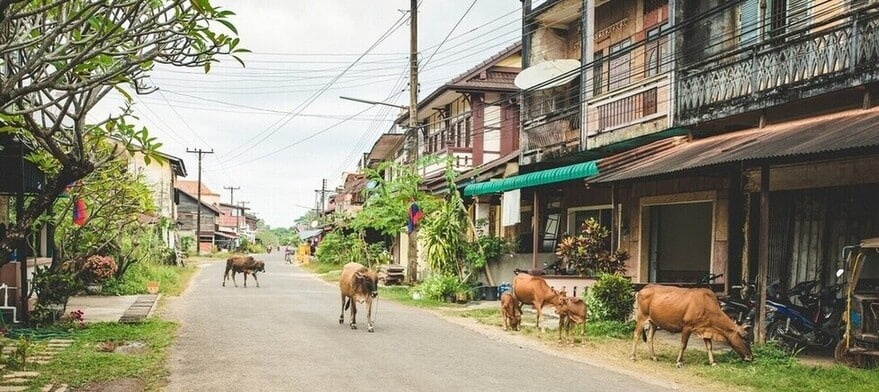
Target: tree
(59, 58)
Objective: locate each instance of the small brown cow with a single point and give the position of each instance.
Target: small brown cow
(357, 284)
(511, 312)
(687, 311)
(534, 291)
(243, 264)
(572, 313)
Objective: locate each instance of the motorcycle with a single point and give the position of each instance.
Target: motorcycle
(816, 323)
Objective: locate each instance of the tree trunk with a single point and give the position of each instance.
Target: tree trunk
(412, 265)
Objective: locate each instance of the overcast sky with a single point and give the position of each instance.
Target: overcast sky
(246, 115)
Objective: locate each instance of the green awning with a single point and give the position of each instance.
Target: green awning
(549, 176)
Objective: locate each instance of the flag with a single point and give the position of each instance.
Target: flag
(79, 213)
(415, 216)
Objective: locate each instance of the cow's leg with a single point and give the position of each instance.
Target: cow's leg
(233, 278)
(225, 277)
(245, 278)
(369, 325)
(651, 333)
(639, 331)
(506, 319)
(561, 325)
(353, 314)
(255, 279)
(538, 306)
(710, 346)
(342, 314)
(685, 338)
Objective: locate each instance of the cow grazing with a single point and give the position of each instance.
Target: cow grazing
(357, 284)
(243, 264)
(687, 311)
(572, 313)
(510, 311)
(534, 291)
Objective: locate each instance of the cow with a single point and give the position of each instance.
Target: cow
(510, 311)
(357, 284)
(572, 313)
(244, 264)
(687, 311)
(534, 291)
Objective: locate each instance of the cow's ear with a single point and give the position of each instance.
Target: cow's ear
(358, 275)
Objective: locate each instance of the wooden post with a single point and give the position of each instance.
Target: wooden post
(535, 224)
(763, 262)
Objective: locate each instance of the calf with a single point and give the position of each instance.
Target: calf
(357, 284)
(534, 291)
(687, 311)
(572, 313)
(510, 311)
(243, 264)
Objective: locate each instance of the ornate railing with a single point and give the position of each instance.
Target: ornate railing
(551, 131)
(843, 51)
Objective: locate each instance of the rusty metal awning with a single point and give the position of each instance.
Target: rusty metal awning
(849, 130)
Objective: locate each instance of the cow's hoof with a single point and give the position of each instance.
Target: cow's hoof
(371, 329)
(679, 365)
(654, 359)
(353, 326)
(713, 363)
(632, 358)
(341, 321)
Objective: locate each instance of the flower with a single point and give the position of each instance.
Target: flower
(97, 269)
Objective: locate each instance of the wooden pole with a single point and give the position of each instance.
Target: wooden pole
(763, 262)
(535, 224)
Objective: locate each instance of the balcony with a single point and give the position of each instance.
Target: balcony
(639, 109)
(552, 120)
(462, 160)
(839, 54)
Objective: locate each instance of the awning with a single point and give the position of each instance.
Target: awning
(837, 132)
(549, 176)
(304, 235)
(230, 236)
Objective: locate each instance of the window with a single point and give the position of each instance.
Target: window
(598, 73)
(656, 52)
(620, 63)
(576, 216)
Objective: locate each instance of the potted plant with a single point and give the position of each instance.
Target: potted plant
(588, 252)
(95, 270)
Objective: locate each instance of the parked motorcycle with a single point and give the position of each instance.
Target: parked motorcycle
(815, 323)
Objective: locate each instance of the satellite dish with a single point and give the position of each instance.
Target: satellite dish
(546, 74)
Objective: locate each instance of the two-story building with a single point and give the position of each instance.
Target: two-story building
(187, 193)
(161, 178)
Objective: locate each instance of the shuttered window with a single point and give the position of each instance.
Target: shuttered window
(749, 22)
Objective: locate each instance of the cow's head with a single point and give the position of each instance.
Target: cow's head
(740, 343)
(259, 266)
(367, 279)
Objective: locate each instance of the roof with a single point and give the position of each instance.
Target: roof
(177, 164)
(226, 234)
(304, 235)
(386, 145)
(195, 197)
(191, 187)
(234, 206)
(849, 130)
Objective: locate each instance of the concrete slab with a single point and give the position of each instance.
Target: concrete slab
(97, 308)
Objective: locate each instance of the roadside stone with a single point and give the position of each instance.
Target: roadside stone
(7, 388)
(16, 381)
(62, 388)
(47, 388)
(21, 374)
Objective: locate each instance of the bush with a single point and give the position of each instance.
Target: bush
(438, 286)
(612, 298)
(97, 269)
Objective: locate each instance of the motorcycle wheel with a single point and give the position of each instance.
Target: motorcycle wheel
(775, 333)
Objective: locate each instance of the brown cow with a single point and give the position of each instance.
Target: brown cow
(357, 284)
(510, 310)
(534, 291)
(572, 313)
(243, 264)
(687, 311)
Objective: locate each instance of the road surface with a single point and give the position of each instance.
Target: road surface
(285, 336)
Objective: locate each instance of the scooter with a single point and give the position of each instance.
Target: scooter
(817, 323)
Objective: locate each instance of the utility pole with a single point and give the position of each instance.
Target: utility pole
(232, 190)
(320, 204)
(412, 262)
(200, 153)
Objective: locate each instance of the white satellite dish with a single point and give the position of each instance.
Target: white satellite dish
(547, 74)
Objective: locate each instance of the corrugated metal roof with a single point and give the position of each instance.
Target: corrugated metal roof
(821, 134)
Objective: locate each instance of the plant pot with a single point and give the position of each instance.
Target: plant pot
(490, 293)
(461, 298)
(450, 298)
(93, 288)
(153, 287)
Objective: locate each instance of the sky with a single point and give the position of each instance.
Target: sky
(277, 126)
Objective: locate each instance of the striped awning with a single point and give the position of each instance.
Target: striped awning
(543, 177)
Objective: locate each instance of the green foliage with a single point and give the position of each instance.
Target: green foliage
(17, 359)
(611, 298)
(589, 251)
(387, 202)
(339, 248)
(437, 286)
(286, 236)
(266, 238)
(187, 245)
(172, 280)
(54, 286)
(610, 329)
(245, 246)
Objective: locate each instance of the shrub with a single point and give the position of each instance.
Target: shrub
(612, 298)
(438, 286)
(97, 269)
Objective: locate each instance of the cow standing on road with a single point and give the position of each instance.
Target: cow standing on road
(243, 264)
(357, 284)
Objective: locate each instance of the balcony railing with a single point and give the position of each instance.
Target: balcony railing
(551, 130)
(844, 52)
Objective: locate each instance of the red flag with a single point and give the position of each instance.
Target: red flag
(79, 212)
(415, 216)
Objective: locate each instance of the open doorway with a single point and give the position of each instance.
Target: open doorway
(680, 242)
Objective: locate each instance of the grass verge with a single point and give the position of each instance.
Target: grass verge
(82, 363)
(172, 279)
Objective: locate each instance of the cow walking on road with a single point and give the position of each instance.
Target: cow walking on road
(357, 284)
(243, 264)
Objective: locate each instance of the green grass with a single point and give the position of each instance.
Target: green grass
(82, 363)
(172, 280)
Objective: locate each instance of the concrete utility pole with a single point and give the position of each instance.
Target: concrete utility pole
(320, 204)
(232, 190)
(200, 153)
(412, 262)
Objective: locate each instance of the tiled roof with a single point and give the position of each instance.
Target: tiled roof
(191, 187)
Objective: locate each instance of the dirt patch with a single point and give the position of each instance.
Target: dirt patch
(612, 355)
(117, 385)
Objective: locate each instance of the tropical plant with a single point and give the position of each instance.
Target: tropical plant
(62, 58)
(96, 269)
(611, 298)
(589, 251)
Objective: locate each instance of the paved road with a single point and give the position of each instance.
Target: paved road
(285, 336)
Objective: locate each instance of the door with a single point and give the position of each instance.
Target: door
(680, 242)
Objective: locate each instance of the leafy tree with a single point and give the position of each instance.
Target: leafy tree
(266, 237)
(60, 58)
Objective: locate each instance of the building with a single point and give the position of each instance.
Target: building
(161, 178)
(187, 214)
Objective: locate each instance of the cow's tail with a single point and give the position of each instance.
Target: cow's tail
(644, 331)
